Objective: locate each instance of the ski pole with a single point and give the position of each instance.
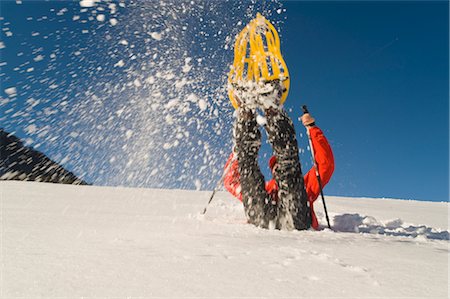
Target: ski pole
(319, 180)
(219, 183)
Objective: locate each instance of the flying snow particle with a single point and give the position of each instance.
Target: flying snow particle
(88, 3)
(38, 58)
(112, 8)
(150, 80)
(53, 86)
(123, 42)
(120, 63)
(28, 141)
(179, 84)
(187, 68)
(113, 21)
(169, 76)
(101, 18)
(137, 83)
(119, 112)
(279, 11)
(62, 12)
(169, 119)
(154, 171)
(172, 103)
(65, 160)
(31, 129)
(2, 45)
(128, 134)
(32, 102)
(261, 120)
(156, 35)
(202, 105)
(198, 185)
(12, 91)
(192, 98)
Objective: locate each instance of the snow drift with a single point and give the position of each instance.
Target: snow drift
(73, 241)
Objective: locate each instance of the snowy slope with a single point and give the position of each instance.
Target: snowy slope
(73, 241)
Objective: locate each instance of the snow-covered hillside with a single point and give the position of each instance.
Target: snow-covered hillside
(74, 241)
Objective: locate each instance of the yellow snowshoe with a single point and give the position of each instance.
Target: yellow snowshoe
(258, 67)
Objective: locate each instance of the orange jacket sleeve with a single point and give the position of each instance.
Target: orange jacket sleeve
(325, 163)
(231, 179)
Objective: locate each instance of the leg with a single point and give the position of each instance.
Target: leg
(247, 138)
(293, 210)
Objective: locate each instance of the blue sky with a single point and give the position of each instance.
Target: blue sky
(374, 74)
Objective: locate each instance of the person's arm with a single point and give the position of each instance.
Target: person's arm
(232, 178)
(325, 163)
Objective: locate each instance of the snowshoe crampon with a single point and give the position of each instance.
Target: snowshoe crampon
(258, 68)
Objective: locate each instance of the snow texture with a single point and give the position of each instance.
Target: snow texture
(83, 241)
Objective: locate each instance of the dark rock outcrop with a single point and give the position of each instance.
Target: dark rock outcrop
(19, 162)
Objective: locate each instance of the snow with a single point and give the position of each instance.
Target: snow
(137, 83)
(38, 58)
(261, 120)
(11, 91)
(113, 21)
(128, 134)
(202, 105)
(101, 18)
(120, 63)
(31, 129)
(135, 70)
(156, 35)
(85, 241)
(88, 3)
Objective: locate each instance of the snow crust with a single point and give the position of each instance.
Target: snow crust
(84, 241)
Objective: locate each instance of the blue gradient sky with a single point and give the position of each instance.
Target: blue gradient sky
(374, 74)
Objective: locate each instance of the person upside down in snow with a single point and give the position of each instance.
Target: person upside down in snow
(244, 180)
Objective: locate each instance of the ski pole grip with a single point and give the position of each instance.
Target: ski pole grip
(305, 109)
